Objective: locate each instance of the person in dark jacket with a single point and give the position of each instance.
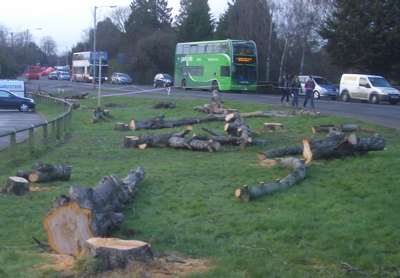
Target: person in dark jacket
(296, 87)
(285, 88)
(309, 86)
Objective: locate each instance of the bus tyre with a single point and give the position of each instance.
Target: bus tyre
(375, 99)
(215, 86)
(183, 84)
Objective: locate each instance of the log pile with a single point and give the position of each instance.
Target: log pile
(235, 126)
(99, 113)
(216, 106)
(41, 172)
(89, 212)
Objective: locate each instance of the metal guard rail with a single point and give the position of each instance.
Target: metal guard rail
(58, 125)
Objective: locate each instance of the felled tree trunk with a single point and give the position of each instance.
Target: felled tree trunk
(159, 123)
(164, 105)
(41, 172)
(247, 194)
(122, 127)
(236, 126)
(279, 114)
(101, 114)
(16, 185)
(153, 140)
(342, 128)
(215, 107)
(339, 145)
(78, 96)
(113, 253)
(229, 140)
(90, 212)
(193, 144)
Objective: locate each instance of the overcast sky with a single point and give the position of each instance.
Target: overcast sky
(65, 21)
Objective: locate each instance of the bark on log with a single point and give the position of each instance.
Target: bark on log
(153, 140)
(339, 145)
(279, 114)
(193, 144)
(247, 194)
(16, 185)
(237, 127)
(97, 211)
(113, 253)
(164, 105)
(342, 128)
(122, 127)
(159, 123)
(99, 113)
(215, 107)
(281, 152)
(229, 140)
(41, 172)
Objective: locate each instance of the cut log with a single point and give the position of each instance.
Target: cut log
(122, 127)
(237, 127)
(338, 146)
(159, 123)
(153, 140)
(96, 211)
(229, 140)
(281, 152)
(164, 105)
(113, 253)
(68, 228)
(216, 105)
(272, 127)
(247, 194)
(16, 185)
(342, 128)
(193, 144)
(279, 114)
(41, 172)
(99, 113)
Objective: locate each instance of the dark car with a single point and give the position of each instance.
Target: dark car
(121, 78)
(163, 80)
(52, 75)
(9, 100)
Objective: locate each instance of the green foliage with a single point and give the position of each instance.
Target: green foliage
(364, 36)
(346, 210)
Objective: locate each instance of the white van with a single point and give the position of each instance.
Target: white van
(367, 88)
(323, 87)
(14, 86)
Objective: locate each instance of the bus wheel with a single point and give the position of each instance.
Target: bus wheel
(215, 86)
(183, 84)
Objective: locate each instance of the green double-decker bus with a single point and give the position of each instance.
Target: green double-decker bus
(225, 65)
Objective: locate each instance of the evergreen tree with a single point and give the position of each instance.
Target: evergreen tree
(364, 36)
(194, 21)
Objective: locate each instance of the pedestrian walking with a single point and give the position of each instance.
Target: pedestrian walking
(296, 87)
(309, 86)
(285, 88)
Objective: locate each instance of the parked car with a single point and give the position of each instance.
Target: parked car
(323, 87)
(52, 75)
(63, 75)
(364, 87)
(9, 100)
(163, 80)
(121, 78)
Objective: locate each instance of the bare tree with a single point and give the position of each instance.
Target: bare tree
(119, 16)
(48, 45)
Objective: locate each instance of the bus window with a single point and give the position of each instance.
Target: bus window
(186, 49)
(209, 48)
(225, 71)
(217, 48)
(201, 49)
(193, 49)
(224, 48)
(179, 49)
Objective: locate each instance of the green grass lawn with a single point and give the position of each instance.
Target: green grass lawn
(345, 214)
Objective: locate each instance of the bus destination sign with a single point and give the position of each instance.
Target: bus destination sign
(244, 60)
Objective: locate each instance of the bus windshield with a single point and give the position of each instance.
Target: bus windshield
(244, 48)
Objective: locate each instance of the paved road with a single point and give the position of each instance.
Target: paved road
(10, 119)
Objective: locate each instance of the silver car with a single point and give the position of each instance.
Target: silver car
(121, 78)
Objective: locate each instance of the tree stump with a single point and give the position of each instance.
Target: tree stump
(16, 185)
(112, 253)
(272, 127)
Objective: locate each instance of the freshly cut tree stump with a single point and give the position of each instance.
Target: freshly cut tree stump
(67, 228)
(272, 127)
(16, 185)
(122, 127)
(90, 212)
(113, 253)
(247, 194)
(41, 172)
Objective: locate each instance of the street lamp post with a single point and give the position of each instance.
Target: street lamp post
(94, 43)
(27, 42)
